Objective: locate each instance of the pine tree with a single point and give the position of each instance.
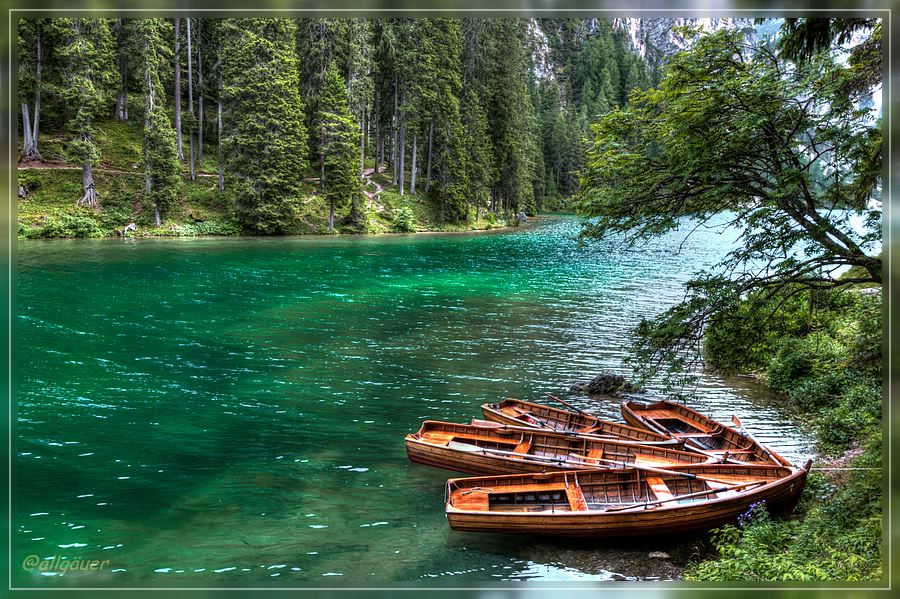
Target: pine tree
(264, 138)
(339, 150)
(512, 118)
(160, 154)
(33, 53)
(90, 74)
(450, 161)
(480, 171)
(360, 87)
(177, 58)
(320, 42)
(128, 53)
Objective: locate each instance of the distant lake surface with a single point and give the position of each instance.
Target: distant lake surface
(231, 412)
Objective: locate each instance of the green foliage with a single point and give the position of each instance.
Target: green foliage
(88, 53)
(264, 136)
(160, 153)
(338, 136)
(70, 225)
(838, 539)
(796, 359)
(451, 184)
(823, 362)
(210, 227)
(724, 133)
(404, 220)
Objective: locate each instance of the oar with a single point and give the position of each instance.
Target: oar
(540, 421)
(737, 422)
(688, 495)
(570, 460)
(721, 459)
(568, 405)
(663, 471)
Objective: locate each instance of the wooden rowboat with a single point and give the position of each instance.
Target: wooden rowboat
(517, 412)
(508, 450)
(620, 502)
(699, 432)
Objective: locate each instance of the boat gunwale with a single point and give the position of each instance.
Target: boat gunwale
(495, 409)
(781, 481)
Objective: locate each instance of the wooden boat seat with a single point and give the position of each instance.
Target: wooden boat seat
(476, 500)
(576, 498)
(594, 455)
(473, 440)
(659, 488)
(485, 423)
(438, 437)
(523, 447)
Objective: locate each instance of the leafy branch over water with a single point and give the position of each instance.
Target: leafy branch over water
(789, 148)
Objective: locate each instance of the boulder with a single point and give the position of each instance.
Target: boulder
(605, 384)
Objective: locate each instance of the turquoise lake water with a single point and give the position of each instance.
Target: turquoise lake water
(224, 412)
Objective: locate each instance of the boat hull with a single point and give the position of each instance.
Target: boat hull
(488, 450)
(779, 495)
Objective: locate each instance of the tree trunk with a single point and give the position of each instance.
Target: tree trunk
(402, 149)
(402, 152)
(412, 184)
(121, 100)
(148, 82)
(122, 94)
(395, 121)
(27, 139)
(190, 101)
(377, 152)
(362, 145)
(428, 168)
(90, 197)
(178, 88)
(30, 128)
(331, 216)
(200, 96)
(322, 159)
(37, 96)
(219, 132)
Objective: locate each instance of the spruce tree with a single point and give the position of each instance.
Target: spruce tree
(449, 158)
(339, 133)
(90, 75)
(128, 55)
(264, 139)
(160, 154)
(37, 39)
(480, 171)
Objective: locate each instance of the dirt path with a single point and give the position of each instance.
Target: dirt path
(367, 178)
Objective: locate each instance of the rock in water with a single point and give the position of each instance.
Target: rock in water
(608, 384)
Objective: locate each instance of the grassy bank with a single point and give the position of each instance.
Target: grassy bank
(824, 356)
(54, 186)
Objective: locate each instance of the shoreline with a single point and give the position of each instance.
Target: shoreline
(389, 234)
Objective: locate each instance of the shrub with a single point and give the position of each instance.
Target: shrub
(70, 225)
(798, 359)
(857, 412)
(405, 220)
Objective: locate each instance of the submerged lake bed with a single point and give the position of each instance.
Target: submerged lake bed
(232, 411)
